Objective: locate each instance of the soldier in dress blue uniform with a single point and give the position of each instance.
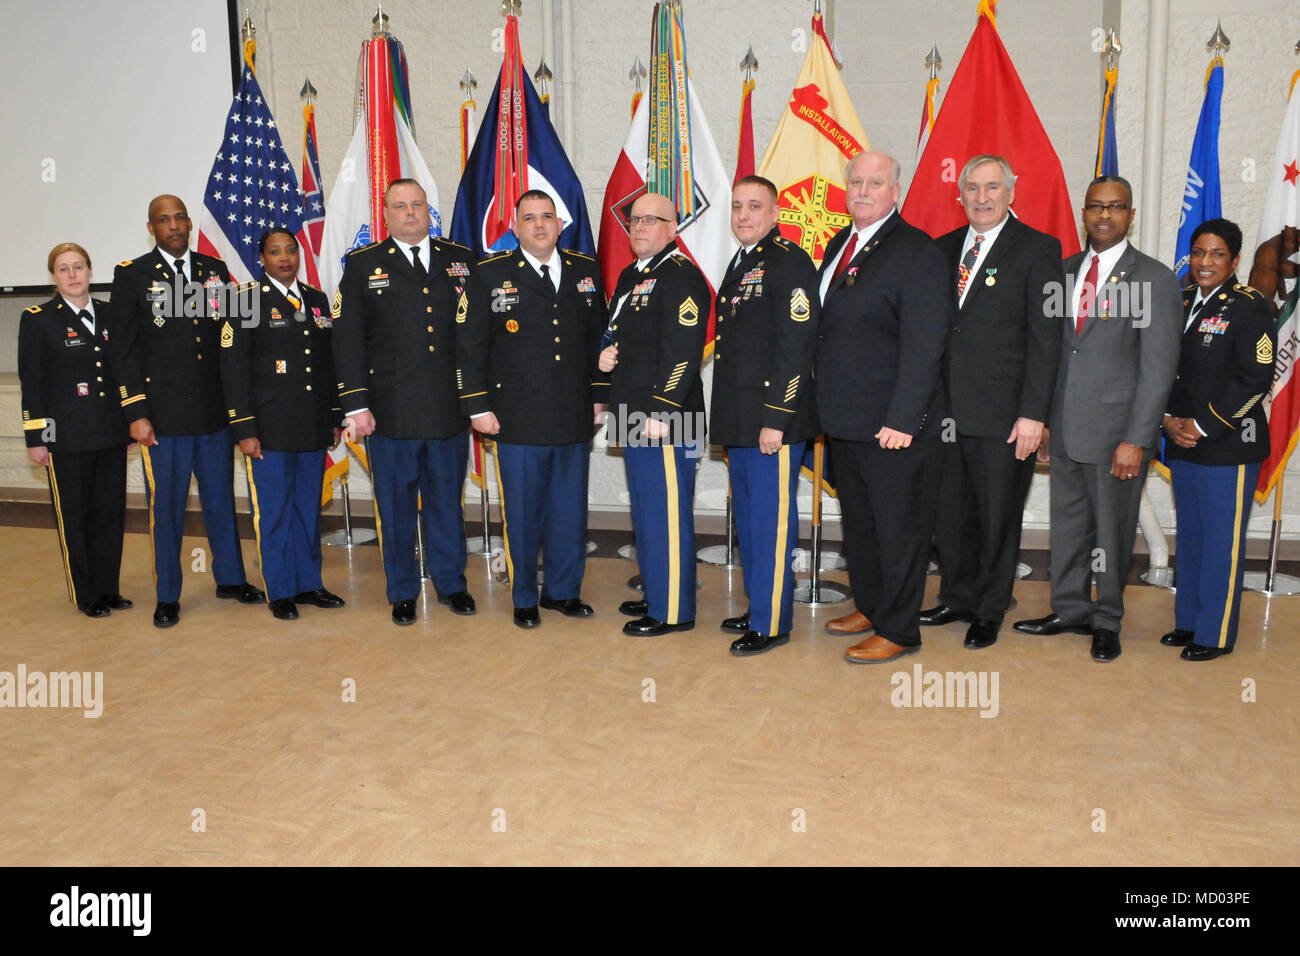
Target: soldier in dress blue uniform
(282, 398)
(164, 343)
(396, 316)
(762, 409)
(1218, 433)
(660, 312)
(74, 426)
(526, 306)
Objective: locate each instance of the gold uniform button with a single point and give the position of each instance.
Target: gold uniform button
(430, 328)
(309, 388)
(717, 338)
(557, 339)
(306, 351)
(305, 332)
(101, 394)
(96, 348)
(197, 339)
(555, 321)
(98, 364)
(99, 378)
(430, 348)
(308, 368)
(426, 291)
(200, 356)
(428, 308)
(557, 358)
(196, 321)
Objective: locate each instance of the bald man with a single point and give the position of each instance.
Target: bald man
(660, 313)
(164, 345)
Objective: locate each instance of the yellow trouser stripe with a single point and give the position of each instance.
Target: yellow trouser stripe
(63, 535)
(782, 528)
(153, 502)
(505, 525)
(257, 522)
(674, 538)
(1236, 549)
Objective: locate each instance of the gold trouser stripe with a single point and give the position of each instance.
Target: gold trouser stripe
(782, 529)
(1236, 549)
(257, 523)
(674, 537)
(153, 503)
(63, 535)
(505, 525)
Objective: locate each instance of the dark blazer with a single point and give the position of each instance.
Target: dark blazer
(394, 337)
(68, 390)
(527, 352)
(1004, 343)
(660, 336)
(1114, 377)
(762, 373)
(278, 370)
(166, 363)
(881, 337)
(1224, 372)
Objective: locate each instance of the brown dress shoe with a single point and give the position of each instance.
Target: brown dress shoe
(854, 623)
(877, 650)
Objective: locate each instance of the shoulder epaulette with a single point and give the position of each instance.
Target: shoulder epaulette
(781, 241)
(1242, 287)
(308, 285)
(352, 252)
(125, 262)
(580, 255)
(499, 255)
(33, 309)
(247, 285)
(448, 242)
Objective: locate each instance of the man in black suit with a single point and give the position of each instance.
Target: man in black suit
(163, 347)
(396, 313)
(1119, 354)
(527, 376)
(1000, 370)
(885, 313)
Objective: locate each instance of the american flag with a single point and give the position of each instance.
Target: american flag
(251, 188)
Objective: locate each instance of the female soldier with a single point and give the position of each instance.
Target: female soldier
(282, 398)
(1218, 437)
(74, 427)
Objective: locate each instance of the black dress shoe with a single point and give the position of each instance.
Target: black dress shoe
(166, 613)
(460, 602)
(650, 626)
(117, 603)
(320, 597)
(569, 607)
(243, 593)
(284, 609)
(1052, 624)
(943, 614)
(754, 643)
(1178, 638)
(981, 633)
(1105, 645)
(1199, 652)
(634, 608)
(404, 613)
(737, 625)
(94, 608)
(527, 617)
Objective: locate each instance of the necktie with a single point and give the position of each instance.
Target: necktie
(740, 254)
(967, 264)
(850, 248)
(1087, 297)
(546, 277)
(294, 301)
(87, 320)
(180, 269)
(415, 261)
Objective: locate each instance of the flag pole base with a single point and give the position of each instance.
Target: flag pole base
(1160, 577)
(1023, 570)
(1284, 585)
(591, 547)
(339, 539)
(716, 554)
(828, 593)
(627, 552)
(636, 584)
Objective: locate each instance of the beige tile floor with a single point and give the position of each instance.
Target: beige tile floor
(460, 723)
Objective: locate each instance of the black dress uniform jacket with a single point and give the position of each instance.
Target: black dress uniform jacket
(68, 390)
(768, 308)
(278, 373)
(166, 364)
(1225, 370)
(660, 335)
(881, 336)
(527, 352)
(1004, 347)
(394, 337)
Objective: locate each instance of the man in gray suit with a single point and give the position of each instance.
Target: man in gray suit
(1119, 354)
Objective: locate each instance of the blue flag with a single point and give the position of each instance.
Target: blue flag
(549, 170)
(1107, 152)
(1201, 199)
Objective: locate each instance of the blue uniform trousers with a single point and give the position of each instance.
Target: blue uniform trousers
(1213, 506)
(285, 489)
(168, 466)
(763, 499)
(543, 492)
(661, 487)
(420, 478)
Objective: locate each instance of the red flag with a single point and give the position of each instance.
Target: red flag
(745, 147)
(987, 110)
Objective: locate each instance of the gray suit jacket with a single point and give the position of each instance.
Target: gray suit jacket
(1114, 377)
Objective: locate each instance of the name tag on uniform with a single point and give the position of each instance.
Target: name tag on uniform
(379, 280)
(278, 321)
(73, 340)
(155, 293)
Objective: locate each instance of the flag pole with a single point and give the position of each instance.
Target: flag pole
(816, 593)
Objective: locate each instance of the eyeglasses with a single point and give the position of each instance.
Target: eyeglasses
(646, 220)
(1111, 207)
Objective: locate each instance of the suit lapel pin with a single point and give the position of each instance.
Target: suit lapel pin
(991, 276)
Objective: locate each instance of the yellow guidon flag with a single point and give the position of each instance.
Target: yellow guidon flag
(816, 136)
